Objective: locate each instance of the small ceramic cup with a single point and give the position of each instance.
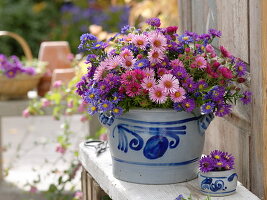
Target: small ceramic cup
(218, 183)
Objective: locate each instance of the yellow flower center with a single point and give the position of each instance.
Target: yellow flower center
(105, 105)
(149, 85)
(168, 84)
(217, 157)
(219, 164)
(91, 96)
(93, 108)
(208, 107)
(98, 45)
(115, 110)
(140, 42)
(186, 38)
(177, 94)
(157, 43)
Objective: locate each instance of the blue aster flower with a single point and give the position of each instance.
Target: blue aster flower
(178, 107)
(92, 95)
(99, 45)
(105, 106)
(87, 36)
(92, 109)
(142, 63)
(185, 39)
(207, 107)
(125, 29)
(117, 111)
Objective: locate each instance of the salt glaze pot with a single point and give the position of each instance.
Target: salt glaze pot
(157, 146)
(218, 183)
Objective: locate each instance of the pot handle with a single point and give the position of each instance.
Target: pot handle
(205, 121)
(106, 120)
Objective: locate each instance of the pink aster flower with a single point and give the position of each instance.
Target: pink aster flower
(57, 84)
(33, 189)
(114, 62)
(99, 72)
(148, 83)
(128, 38)
(133, 89)
(200, 62)
(45, 102)
(60, 149)
(126, 54)
(157, 94)
(210, 49)
(178, 96)
(169, 83)
(155, 56)
(26, 113)
(176, 63)
(149, 72)
(128, 63)
(140, 41)
(158, 41)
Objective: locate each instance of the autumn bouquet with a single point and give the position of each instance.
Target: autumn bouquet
(158, 68)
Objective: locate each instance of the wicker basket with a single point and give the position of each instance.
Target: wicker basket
(17, 88)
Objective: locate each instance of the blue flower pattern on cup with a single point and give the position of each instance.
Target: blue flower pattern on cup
(217, 185)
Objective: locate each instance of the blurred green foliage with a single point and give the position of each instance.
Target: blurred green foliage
(53, 20)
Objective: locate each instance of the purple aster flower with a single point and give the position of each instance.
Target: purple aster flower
(117, 111)
(219, 164)
(246, 97)
(92, 109)
(87, 36)
(223, 109)
(153, 22)
(192, 34)
(229, 160)
(178, 107)
(216, 154)
(179, 72)
(185, 39)
(206, 164)
(204, 37)
(189, 85)
(105, 106)
(202, 84)
(142, 63)
(116, 97)
(92, 95)
(215, 33)
(91, 57)
(217, 93)
(241, 68)
(180, 197)
(207, 107)
(189, 104)
(29, 71)
(125, 29)
(11, 73)
(104, 87)
(99, 45)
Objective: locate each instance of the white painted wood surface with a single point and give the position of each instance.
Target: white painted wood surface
(100, 168)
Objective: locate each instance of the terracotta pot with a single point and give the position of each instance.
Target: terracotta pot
(56, 54)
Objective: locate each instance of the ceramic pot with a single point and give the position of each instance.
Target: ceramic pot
(220, 183)
(156, 146)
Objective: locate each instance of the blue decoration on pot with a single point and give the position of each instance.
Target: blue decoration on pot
(157, 146)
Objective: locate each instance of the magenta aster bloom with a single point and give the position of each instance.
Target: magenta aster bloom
(169, 83)
(149, 72)
(226, 73)
(139, 75)
(200, 62)
(140, 41)
(162, 71)
(148, 83)
(224, 52)
(157, 94)
(133, 89)
(179, 95)
(127, 77)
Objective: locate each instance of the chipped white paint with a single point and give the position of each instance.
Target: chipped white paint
(100, 168)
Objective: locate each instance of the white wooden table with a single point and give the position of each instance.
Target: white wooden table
(100, 168)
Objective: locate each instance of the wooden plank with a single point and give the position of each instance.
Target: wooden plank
(84, 184)
(89, 186)
(257, 86)
(233, 22)
(185, 16)
(97, 193)
(264, 90)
